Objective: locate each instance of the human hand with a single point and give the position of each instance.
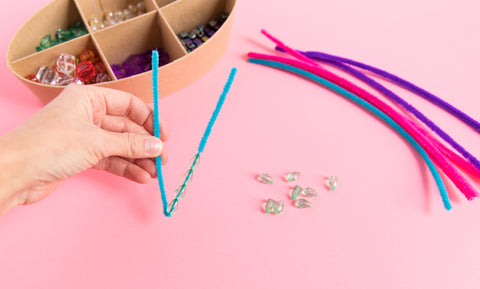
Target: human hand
(84, 127)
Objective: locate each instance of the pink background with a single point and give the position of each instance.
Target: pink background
(384, 227)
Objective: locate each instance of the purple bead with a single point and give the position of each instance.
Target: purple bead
(197, 42)
(119, 71)
(134, 64)
(209, 31)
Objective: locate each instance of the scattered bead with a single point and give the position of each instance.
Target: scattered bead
(296, 191)
(265, 178)
(303, 203)
(292, 176)
(309, 192)
(278, 208)
(333, 182)
(269, 206)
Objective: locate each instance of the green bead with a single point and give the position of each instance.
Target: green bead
(45, 42)
(77, 32)
(40, 48)
(78, 24)
(54, 42)
(64, 35)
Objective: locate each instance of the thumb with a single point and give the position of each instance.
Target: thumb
(132, 145)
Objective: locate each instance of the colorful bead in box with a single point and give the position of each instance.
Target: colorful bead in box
(114, 17)
(84, 69)
(200, 34)
(139, 63)
(76, 30)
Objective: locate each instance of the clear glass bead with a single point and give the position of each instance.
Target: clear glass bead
(296, 191)
(303, 203)
(265, 178)
(333, 182)
(172, 207)
(278, 208)
(269, 206)
(309, 192)
(195, 161)
(180, 192)
(293, 176)
(141, 7)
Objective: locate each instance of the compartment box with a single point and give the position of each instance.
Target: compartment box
(157, 28)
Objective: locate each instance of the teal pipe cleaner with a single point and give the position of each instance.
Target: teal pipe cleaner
(383, 116)
(169, 208)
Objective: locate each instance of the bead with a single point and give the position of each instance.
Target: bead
(204, 38)
(209, 31)
(197, 42)
(119, 71)
(141, 7)
(62, 80)
(127, 14)
(45, 42)
(77, 80)
(192, 35)
(118, 16)
(200, 33)
(223, 17)
(102, 77)
(180, 192)
(332, 182)
(172, 206)
(190, 44)
(64, 35)
(269, 206)
(94, 24)
(195, 161)
(85, 71)
(302, 203)
(134, 64)
(201, 27)
(183, 34)
(309, 192)
(214, 24)
(87, 55)
(296, 191)
(293, 176)
(133, 9)
(265, 178)
(278, 208)
(65, 64)
(99, 67)
(32, 77)
(46, 75)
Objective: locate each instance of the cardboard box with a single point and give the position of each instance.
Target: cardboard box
(156, 28)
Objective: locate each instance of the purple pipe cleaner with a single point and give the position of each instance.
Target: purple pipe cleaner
(337, 61)
(405, 84)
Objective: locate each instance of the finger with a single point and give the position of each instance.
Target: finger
(121, 167)
(122, 124)
(163, 129)
(129, 145)
(148, 165)
(120, 103)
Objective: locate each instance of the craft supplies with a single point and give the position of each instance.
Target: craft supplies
(265, 178)
(170, 208)
(443, 156)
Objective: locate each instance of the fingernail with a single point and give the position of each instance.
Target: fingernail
(153, 146)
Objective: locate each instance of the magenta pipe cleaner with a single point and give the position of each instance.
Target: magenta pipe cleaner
(450, 171)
